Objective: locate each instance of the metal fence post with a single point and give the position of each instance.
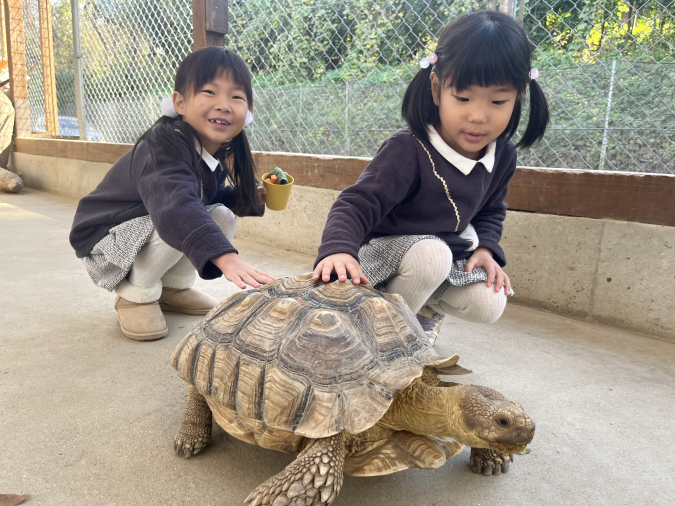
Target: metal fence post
(603, 149)
(77, 71)
(347, 118)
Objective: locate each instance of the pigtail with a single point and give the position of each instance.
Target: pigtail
(244, 178)
(418, 107)
(538, 118)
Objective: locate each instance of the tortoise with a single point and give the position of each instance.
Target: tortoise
(344, 376)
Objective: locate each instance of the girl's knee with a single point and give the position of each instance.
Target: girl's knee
(476, 302)
(226, 220)
(488, 304)
(429, 261)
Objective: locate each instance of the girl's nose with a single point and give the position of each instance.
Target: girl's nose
(225, 106)
(478, 115)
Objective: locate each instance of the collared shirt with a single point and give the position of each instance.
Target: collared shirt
(464, 165)
(207, 157)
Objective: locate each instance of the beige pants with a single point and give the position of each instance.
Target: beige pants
(424, 267)
(158, 265)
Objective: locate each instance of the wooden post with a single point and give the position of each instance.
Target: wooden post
(3, 31)
(48, 72)
(209, 23)
(17, 66)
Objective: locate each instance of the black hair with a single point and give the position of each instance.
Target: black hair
(195, 71)
(483, 48)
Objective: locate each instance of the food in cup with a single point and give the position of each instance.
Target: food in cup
(277, 176)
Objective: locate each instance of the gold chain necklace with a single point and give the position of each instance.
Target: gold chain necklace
(447, 192)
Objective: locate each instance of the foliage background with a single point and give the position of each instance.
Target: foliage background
(330, 74)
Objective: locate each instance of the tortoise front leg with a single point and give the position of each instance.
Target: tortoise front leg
(488, 462)
(195, 431)
(313, 478)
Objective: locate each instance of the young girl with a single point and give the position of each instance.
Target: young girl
(425, 217)
(163, 209)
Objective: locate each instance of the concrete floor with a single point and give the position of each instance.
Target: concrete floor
(87, 417)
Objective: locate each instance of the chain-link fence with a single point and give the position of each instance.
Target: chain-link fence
(329, 75)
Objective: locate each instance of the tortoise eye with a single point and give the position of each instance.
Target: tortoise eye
(503, 422)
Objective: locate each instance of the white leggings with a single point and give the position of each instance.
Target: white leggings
(424, 267)
(158, 265)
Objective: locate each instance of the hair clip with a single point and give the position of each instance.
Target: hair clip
(534, 73)
(430, 60)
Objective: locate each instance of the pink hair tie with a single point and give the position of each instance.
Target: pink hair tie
(431, 59)
(534, 73)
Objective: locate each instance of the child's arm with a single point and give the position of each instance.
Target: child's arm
(386, 181)
(489, 223)
(239, 272)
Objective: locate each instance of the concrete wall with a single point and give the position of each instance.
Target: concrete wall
(612, 272)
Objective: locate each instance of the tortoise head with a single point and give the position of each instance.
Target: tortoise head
(484, 418)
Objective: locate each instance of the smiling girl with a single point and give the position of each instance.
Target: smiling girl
(164, 212)
(425, 218)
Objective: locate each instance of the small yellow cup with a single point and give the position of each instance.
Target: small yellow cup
(277, 195)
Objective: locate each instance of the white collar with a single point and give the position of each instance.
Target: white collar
(464, 164)
(207, 157)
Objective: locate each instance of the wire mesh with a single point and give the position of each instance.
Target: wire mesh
(329, 75)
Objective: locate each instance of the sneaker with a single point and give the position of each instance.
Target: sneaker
(141, 322)
(431, 323)
(186, 301)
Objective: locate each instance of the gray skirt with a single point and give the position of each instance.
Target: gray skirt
(111, 258)
(381, 258)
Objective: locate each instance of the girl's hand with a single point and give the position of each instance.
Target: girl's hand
(239, 272)
(482, 257)
(261, 193)
(341, 264)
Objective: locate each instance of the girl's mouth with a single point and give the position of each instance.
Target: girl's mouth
(219, 122)
(473, 136)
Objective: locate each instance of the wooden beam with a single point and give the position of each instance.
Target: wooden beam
(209, 23)
(624, 196)
(48, 72)
(17, 66)
(3, 30)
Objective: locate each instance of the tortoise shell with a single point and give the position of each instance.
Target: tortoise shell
(302, 358)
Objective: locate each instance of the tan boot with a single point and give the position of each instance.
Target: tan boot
(186, 301)
(141, 322)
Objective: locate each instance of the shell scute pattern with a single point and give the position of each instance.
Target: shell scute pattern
(303, 358)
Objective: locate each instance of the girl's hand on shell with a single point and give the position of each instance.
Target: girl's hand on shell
(241, 273)
(342, 264)
(482, 257)
(261, 193)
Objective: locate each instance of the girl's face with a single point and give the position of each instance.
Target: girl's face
(217, 111)
(472, 118)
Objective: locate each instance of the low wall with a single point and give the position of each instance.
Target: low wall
(611, 271)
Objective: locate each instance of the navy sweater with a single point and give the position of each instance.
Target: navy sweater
(170, 194)
(399, 194)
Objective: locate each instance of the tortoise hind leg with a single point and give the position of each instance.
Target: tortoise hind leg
(313, 478)
(195, 430)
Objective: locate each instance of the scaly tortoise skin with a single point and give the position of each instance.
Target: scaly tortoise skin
(345, 376)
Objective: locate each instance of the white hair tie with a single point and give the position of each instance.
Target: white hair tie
(167, 108)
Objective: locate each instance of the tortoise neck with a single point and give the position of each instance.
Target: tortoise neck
(425, 410)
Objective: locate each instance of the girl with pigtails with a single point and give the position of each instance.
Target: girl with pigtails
(166, 211)
(425, 218)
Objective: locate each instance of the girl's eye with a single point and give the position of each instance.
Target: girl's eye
(499, 102)
(461, 99)
(238, 97)
(208, 91)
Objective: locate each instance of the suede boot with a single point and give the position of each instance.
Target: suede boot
(141, 322)
(186, 301)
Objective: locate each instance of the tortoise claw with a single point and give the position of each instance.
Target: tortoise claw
(490, 462)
